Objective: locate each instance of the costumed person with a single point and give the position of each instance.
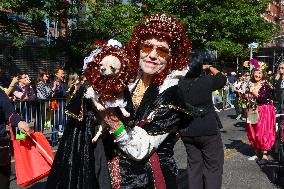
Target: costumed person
(201, 135)
(261, 117)
(159, 50)
(79, 163)
(7, 111)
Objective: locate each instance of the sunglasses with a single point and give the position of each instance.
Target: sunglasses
(162, 52)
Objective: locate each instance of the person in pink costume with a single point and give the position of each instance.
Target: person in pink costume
(261, 135)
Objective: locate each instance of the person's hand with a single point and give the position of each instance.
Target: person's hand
(25, 127)
(206, 66)
(111, 119)
(55, 85)
(26, 98)
(14, 81)
(13, 98)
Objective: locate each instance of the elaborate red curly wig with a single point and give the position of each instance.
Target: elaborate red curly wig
(163, 27)
(110, 87)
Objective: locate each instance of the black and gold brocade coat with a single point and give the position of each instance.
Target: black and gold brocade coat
(80, 164)
(169, 106)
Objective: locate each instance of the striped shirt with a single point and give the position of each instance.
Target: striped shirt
(43, 90)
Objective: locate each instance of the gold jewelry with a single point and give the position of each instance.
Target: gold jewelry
(138, 93)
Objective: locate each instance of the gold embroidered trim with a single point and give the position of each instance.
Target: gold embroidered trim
(149, 162)
(169, 106)
(153, 114)
(78, 117)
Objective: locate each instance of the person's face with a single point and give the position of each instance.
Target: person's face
(24, 79)
(60, 74)
(154, 55)
(258, 75)
(281, 68)
(45, 77)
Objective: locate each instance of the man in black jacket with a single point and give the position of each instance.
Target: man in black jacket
(201, 135)
(7, 112)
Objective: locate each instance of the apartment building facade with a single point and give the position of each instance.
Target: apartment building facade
(273, 51)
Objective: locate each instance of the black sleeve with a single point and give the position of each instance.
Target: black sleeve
(218, 81)
(7, 109)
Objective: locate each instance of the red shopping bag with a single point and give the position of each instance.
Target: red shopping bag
(33, 158)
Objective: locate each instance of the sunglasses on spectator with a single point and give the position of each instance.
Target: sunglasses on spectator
(162, 52)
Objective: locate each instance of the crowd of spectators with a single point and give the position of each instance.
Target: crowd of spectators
(48, 87)
(233, 95)
(45, 87)
(43, 100)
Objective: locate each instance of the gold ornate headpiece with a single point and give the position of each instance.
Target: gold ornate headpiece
(258, 65)
(166, 19)
(262, 66)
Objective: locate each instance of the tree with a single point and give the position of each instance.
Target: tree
(101, 21)
(226, 26)
(29, 11)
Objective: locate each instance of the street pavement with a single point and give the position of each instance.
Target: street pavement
(239, 172)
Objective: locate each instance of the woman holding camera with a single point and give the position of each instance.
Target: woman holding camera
(201, 135)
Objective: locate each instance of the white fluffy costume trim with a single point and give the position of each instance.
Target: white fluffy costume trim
(172, 79)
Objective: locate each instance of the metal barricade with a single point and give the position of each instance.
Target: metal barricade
(47, 116)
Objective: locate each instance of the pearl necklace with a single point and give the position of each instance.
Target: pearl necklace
(138, 93)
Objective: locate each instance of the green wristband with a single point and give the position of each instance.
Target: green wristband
(118, 131)
(21, 136)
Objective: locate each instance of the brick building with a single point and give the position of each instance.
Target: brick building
(34, 55)
(273, 52)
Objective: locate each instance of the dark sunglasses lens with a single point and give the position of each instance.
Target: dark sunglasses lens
(146, 48)
(163, 52)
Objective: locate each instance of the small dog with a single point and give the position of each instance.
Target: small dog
(107, 81)
(109, 67)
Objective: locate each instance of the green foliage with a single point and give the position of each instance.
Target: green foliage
(226, 26)
(100, 22)
(112, 20)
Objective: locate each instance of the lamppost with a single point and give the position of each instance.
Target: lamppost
(252, 46)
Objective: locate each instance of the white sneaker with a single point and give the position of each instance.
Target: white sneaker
(252, 158)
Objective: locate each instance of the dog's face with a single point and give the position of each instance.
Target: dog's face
(109, 66)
